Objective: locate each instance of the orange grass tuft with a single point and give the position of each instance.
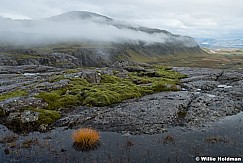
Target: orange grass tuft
(86, 137)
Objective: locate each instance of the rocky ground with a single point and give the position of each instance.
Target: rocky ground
(206, 95)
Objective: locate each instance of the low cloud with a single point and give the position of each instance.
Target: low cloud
(200, 18)
(46, 31)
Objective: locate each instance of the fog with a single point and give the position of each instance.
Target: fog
(49, 31)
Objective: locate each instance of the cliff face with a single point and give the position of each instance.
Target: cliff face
(85, 39)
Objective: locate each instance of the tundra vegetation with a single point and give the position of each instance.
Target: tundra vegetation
(86, 139)
(112, 89)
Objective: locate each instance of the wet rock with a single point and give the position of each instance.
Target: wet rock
(150, 114)
(92, 76)
(218, 97)
(230, 76)
(26, 69)
(30, 120)
(23, 117)
(46, 86)
(7, 151)
(121, 64)
(26, 121)
(200, 85)
(17, 104)
(135, 69)
(22, 121)
(208, 95)
(43, 127)
(106, 71)
(29, 116)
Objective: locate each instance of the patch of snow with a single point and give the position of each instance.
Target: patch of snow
(30, 74)
(210, 95)
(224, 86)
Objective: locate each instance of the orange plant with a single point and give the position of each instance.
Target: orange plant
(86, 137)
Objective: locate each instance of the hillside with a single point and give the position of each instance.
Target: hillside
(80, 38)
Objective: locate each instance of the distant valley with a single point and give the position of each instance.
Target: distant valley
(220, 43)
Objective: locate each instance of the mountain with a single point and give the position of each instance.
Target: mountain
(100, 39)
(78, 15)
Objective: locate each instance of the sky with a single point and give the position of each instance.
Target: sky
(196, 18)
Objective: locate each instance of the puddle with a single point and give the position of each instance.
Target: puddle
(224, 138)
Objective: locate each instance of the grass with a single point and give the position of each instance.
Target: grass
(71, 47)
(112, 89)
(17, 93)
(21, 56)
(217, 140)
(169, 139)
(223, 59)
(86, 138)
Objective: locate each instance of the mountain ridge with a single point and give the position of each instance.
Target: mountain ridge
(81, 17)
(77, 15)
(93, 39)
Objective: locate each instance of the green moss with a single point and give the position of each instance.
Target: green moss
(164, 72)
(110, 93)
(160, 85)
(27, 56)
(110, 79)
(140, 80)
(112, 89)
(79, 82)
(46, 116)
(17, 93)
(70, 71)
(23, 56)
(67, 100)
(51, 98)
(98, 98)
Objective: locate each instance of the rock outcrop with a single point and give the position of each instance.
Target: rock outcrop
(208, 95)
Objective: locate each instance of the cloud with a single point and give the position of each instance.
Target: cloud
(69, 28)
(198, 18)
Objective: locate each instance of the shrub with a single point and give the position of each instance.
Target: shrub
(86, 138)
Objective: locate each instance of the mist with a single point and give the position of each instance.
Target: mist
(72, 29)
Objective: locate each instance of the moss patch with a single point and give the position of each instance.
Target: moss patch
(112, 89)
(168, 73)
(47, 116)
(17, 93)
(52, 98)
